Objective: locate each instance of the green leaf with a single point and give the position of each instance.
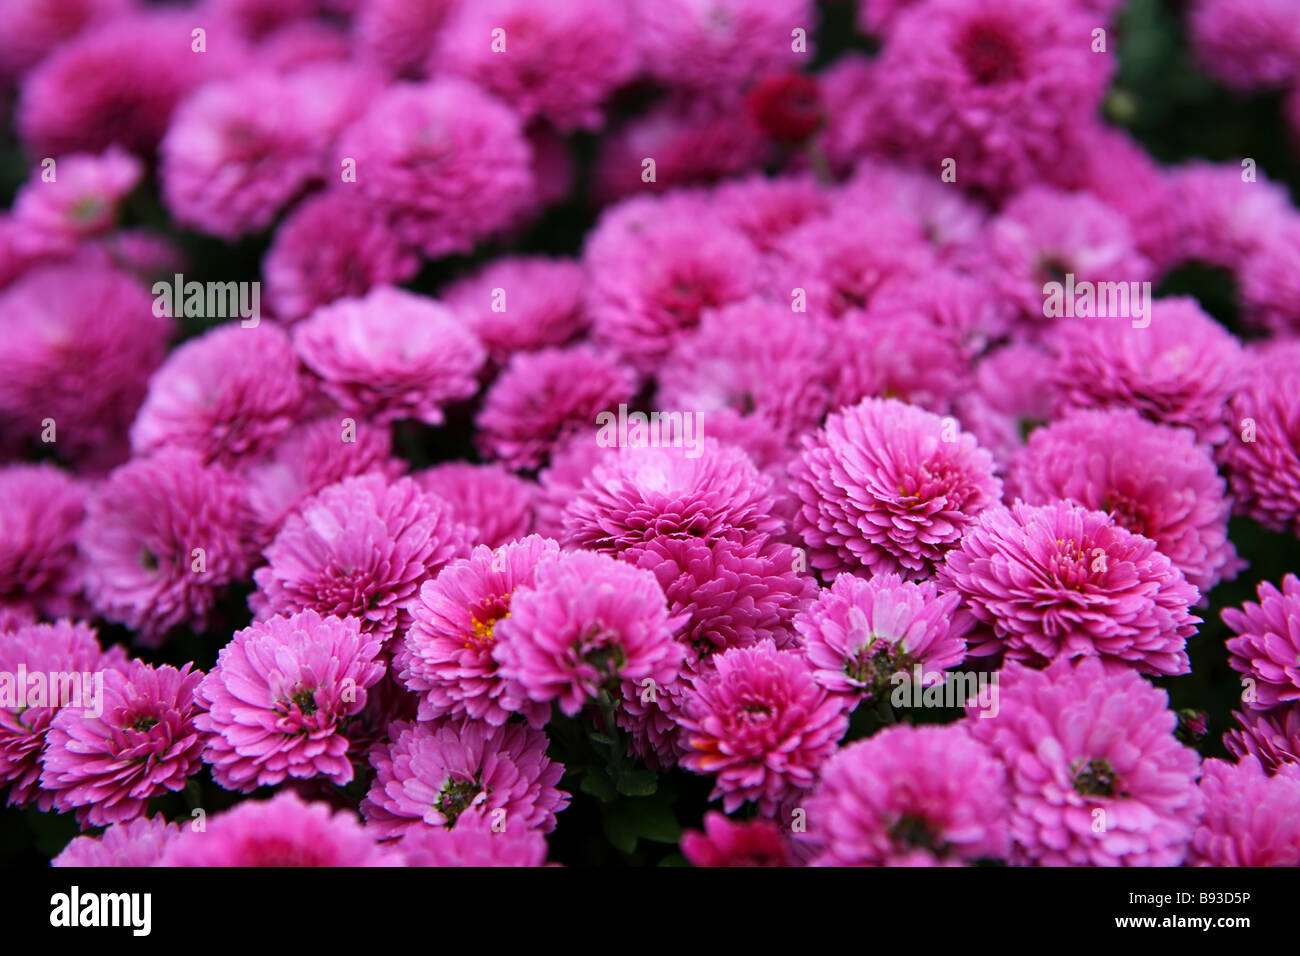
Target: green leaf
(637, 783)
(598, 785)
(620, 830)
(658, 824)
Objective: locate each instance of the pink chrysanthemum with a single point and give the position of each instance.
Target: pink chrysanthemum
(80, 345)
(66, 647)
(1248, 44)
(643, 493)
(889, 487)
(858, 634)
(495, 506)
(116, 83)
(1262, 453)
(911, 796)
(399, 34)
(463, 774)
(755, 358)
(727, 842)
(333, 245)
(279, 696)
(1178, 369)
(758, 721)
(163, 537)
(734, 592)
(447, 654)
(1097, 777)
(767, 209)
(391, 355)
(1272, 737)
(587, 622)
(41, 509)
(1061, 580)
(1266, 648)
(1154, 480)
(556, 63)
(360, 548)
(35, 27)
(996, 88)
(719, 46)
(952, 222)
(477, 846)
(1221, 218)
(302, 43)
(1270, 281)
(1043, 235)
(282, 831)
(229, 395)
(654, 267)
(141, 842)
(142, 744)
(521, 303)
(447, 163)
(1251, 819)
(315, 454)
(542, 397)
(81, 201)
(572, 461)
(900, 354)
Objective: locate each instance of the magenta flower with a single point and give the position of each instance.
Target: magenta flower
(447, 162)
(643, 493)
(1271, 737)
(1060, 580)
(1260, 454)
(141, 842)
(463, 774)
(67, 647)
(1247, 44)
(162, 539)
(82, 200)
(447, 654)
(586, 622)
(35, 27)
(229, 395)
(727, 842)
(390, 355)
(1219, 218)
(282, 831)
(1270, 289)
(1154, 480)
(360, 548)
(40, 570)
(1096, 776)
(911, 796)
(495, 505)
(542, 397)
(889, 487)
(1251, 819)
(759, 722)
(476, 846)
(279, 698)
(107, 766)
(859, 633)
(899, 354)
(1266, 648)
(399, 34)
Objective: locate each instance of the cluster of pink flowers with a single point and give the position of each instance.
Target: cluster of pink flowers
(790, 447)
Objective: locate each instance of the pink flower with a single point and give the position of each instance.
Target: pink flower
(586, 622)
(391, 355)
(727, 842)
(1061, 580)
(643, 493)
(1096, 775)
(1266, 645)
(1260, 454)
(1270, 290)
(1251, 819)
(142, 744)
(35, 27)
(447, 654)
(473, 846)
(1271, 737)
(162, 539)
(67, 647)
(900, 354)
(141, 842)
(495, 506)
(1248, 44)
(399, 34)
(911, 796)
(279, 697)
(40, 570)
(759, 722)
(542, 397)
(360, 548)
(446, 162)
(889, 487)
(332, 245)
(557, 63)
(229, 395)
(858, 635)
(81, 201)
(282, 831)
(463, 774)
(1154, 480)
(1220, 218)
